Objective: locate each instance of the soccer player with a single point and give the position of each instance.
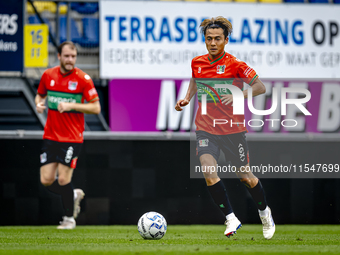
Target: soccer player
(229, 138)
(65, 87)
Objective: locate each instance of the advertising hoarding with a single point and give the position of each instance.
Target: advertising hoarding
(11, 35)
(149, 105)
(159, 39)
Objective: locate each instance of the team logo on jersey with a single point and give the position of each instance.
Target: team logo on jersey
(72, 85)
(199, 70)
(52, 83)
(203, 143)
(220, 69)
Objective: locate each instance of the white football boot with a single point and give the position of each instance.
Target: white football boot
(67, 223)
(268, 225)
(79, 195)
(232, 224)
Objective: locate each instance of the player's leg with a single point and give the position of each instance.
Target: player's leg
(49, 180)
(218, 192)
(49, 166)
(208, 152)
(215, 185)
(236, 150)
(208, 163)
(66, 189)
(67, 159)
(241, 160)
(67, 196)
(253, 185)
(256, 190)
(65, 178)
(48, 174)
(68, 156)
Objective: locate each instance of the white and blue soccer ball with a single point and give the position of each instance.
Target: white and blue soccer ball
(152, 225)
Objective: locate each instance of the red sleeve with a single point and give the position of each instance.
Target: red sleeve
(245, 72)
(42, 85)
(90, 93)
(192, 68)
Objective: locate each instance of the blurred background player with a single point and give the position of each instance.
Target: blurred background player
(65, 87)
(230, 139)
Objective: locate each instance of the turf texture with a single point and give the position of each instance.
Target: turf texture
(179, 239)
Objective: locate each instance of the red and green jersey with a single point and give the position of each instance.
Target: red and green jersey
(226, 69)
(74, 86)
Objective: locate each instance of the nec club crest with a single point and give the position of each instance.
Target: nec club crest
(72, 85)
(220, 69)
(203, 143)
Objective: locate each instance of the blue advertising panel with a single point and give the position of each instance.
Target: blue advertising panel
(11, 35)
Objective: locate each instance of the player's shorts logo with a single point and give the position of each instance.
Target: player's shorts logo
(203, 143)
(43, 158)
(69, 155)
(241, 152)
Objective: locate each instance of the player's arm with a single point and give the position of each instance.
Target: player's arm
(89, 108)
(40, 98)
(190, 93)
(40, 103)
(257, 87)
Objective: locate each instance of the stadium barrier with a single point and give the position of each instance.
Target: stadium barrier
(124, 176)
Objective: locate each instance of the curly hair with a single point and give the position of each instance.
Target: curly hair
(218, 22)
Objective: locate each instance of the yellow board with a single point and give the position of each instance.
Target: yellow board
(36, 45)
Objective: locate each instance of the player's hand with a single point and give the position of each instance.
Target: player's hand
(227, 99)
(40, 107)
(64, 107)
(181, 103)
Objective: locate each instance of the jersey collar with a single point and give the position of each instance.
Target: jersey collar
(66, 74)
(217, 59)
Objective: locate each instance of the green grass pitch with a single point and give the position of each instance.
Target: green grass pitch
(184, 239)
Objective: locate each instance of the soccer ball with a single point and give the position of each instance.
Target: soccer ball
(152, 225)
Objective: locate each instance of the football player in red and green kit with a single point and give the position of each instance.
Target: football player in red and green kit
(63, 90)
(230, 138)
